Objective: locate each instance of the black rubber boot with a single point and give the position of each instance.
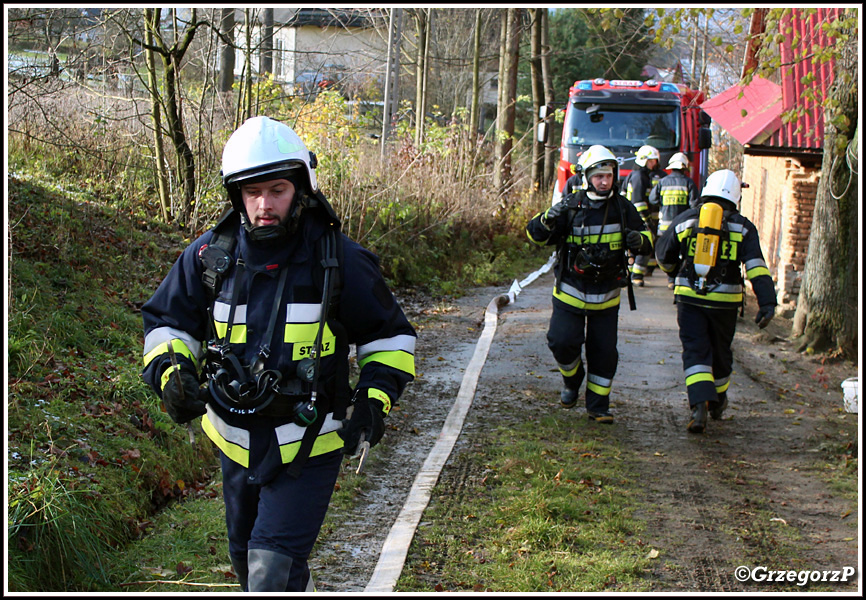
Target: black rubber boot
(568, 397)
(699, 418)
(717, 409)
(239, 564)
(600, 416)
(268, 570)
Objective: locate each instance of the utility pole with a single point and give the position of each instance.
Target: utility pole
(392, 75)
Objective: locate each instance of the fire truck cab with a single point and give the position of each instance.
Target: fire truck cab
(625, 115)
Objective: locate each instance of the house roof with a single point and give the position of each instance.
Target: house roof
(750, 113)
(801, 29)
(330, 17)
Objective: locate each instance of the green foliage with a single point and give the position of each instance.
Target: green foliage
(90, 453)
(585, 45)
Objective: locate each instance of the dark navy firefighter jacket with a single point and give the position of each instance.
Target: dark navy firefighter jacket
(587, 229)
(675, 252)
(177, 314)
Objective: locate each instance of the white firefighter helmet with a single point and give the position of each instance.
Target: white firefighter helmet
(262, 147)
(679, 161)
(723, 184)
(597, 159)
(645, 153)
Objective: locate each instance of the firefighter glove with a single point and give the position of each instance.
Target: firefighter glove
(552, 213)
(633, 239)
(368, 418)
(180, 396)
(765, 314)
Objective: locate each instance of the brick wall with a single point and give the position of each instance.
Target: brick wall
(779, 201)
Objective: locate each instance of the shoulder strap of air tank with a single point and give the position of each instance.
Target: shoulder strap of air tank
(331, 258)
(620, 200)
(224, 236)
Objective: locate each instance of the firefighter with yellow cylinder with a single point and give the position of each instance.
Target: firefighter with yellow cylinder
(707, 248)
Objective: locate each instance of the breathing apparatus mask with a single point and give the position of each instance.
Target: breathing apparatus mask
(250, 390)
(269, 235)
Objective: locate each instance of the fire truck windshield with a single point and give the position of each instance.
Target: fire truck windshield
(623, 127)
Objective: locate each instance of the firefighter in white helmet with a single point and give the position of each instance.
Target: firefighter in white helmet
(262, 308)
(707, 248)
(636, 188)
(591, 227)
(673, 194)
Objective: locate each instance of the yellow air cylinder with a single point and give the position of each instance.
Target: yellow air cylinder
(707, 246)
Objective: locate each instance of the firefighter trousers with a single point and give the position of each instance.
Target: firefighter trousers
(597, 330)
(280, 518)
(706, 335)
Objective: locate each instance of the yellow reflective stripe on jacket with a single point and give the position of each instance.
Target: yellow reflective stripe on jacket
(381, 397)
(397, 352)
(233, 441)
(755, 268)
(239, 332)
(177, 345)
(757, 272)
(675, 195)
(166, 374)
(574, 297)
(221, 318)
(289, 438)
(727, 297)
(614, 239)
(302, 327)
(302, 336)
(400, 360)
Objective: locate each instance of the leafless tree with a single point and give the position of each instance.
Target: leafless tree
(507, 98)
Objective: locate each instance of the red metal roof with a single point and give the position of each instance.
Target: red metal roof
(761, 101)
(807, 131)
(800, 30)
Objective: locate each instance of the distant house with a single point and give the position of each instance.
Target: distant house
(782, 160)
(317, 47)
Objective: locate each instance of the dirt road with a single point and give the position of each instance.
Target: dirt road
(750, 489)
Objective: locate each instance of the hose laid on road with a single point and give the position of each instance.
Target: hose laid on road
(396, 545)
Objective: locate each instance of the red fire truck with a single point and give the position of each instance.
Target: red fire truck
(624, 115)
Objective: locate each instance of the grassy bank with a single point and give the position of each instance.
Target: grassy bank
(90, 455)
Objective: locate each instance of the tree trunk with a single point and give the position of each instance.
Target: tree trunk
(551, 155)
(247, 97)
(537, 169)
(422, 67)
(267, 60)
(508, 99)
(693, 67)
(826, 315)
(227, 52)
(392, 74)
(151, 16)
(185, 158)
(476, 79)
(500, 97)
